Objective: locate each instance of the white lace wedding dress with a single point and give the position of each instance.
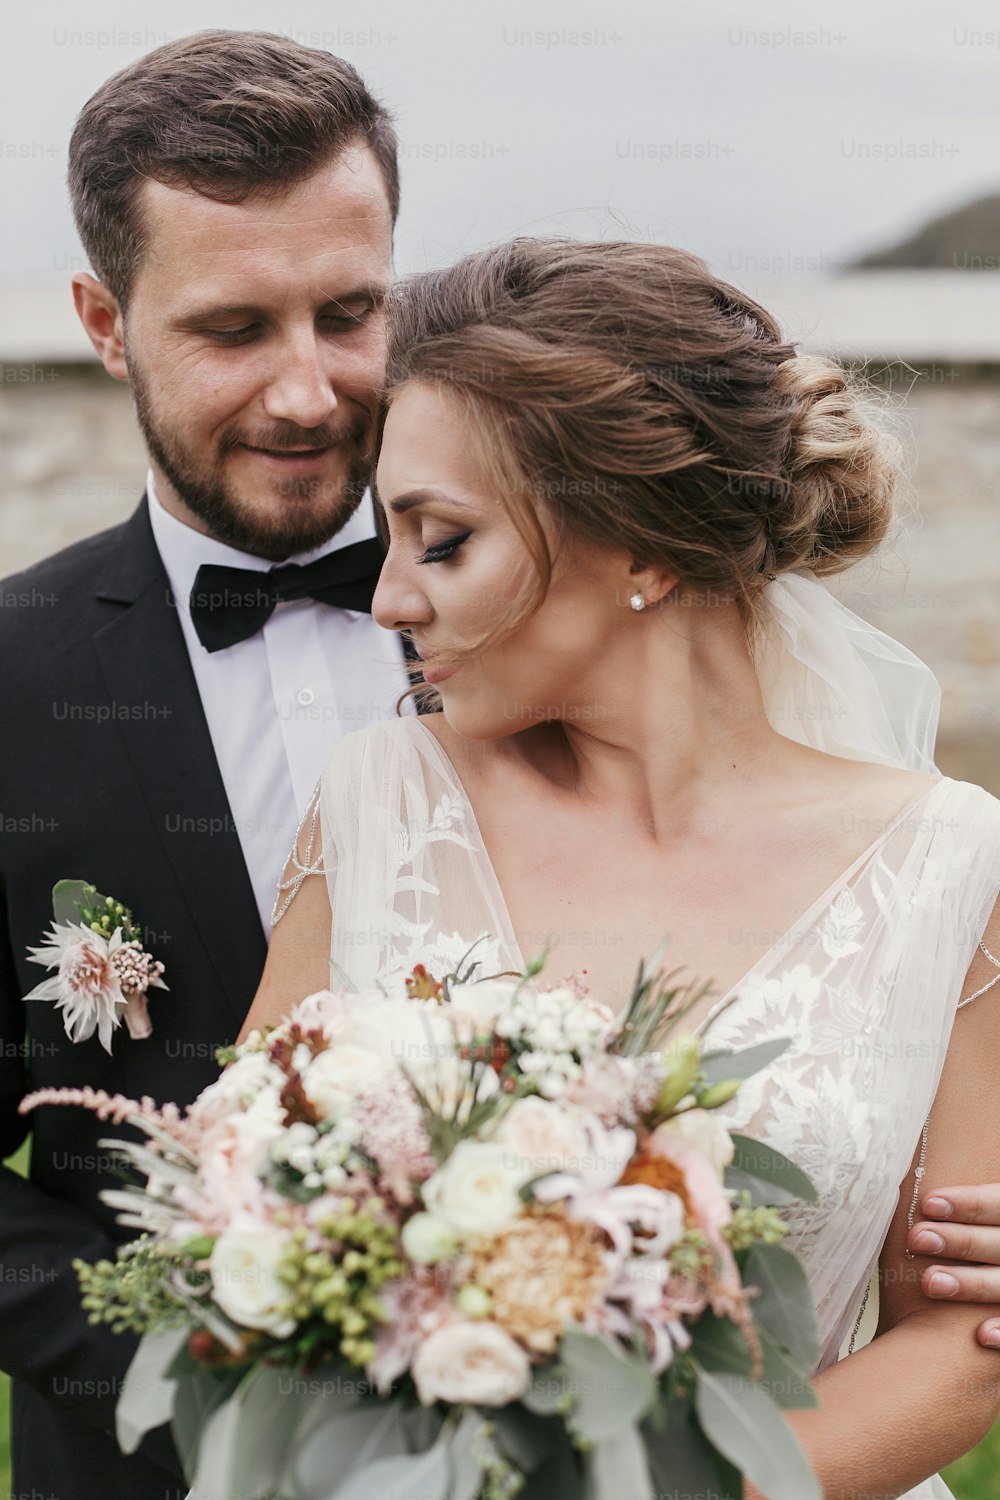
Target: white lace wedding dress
(866, 982)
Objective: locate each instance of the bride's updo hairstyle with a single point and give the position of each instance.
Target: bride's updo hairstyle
(650, 407)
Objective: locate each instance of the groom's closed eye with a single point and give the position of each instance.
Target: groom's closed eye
(331, 322)
(339, 315)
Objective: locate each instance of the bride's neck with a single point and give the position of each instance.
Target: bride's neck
(670, 725)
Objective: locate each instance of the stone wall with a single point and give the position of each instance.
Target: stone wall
(71, 463)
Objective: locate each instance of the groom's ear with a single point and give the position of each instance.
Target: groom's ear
(100, 315)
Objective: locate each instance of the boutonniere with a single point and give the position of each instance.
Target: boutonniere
(103, 969)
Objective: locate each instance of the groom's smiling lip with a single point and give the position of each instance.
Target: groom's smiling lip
(291, 457)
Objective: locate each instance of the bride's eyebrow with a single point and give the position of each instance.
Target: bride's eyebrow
(411, 498)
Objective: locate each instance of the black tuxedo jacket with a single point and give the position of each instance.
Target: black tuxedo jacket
(108, 774)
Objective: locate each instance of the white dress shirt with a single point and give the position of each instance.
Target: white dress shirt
(276, 703)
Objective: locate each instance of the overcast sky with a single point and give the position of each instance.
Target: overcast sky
(772, 138)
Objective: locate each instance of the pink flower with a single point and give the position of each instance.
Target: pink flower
(707, 1197)
(392, 1132)
(639, 1220)
(100, 982)
(86, 988)
(616, 1089)
(414, 1308)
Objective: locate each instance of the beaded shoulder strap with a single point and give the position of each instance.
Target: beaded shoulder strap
(297, 866)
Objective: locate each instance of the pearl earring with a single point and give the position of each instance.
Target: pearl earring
(638, 601)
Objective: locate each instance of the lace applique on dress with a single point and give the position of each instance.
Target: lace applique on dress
(411, 880)
(412, 940)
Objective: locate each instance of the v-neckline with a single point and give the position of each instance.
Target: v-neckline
(805, 922)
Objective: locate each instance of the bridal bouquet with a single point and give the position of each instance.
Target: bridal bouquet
(473, 1238)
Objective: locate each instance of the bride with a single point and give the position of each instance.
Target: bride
(607, 487)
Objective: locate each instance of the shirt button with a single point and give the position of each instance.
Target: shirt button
(306, 696)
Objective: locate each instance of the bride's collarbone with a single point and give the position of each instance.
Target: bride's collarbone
(601, 891)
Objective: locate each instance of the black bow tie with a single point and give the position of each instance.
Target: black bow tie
(232, 604)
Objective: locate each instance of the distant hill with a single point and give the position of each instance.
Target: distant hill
(967, 239)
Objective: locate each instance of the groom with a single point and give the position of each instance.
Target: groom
(171, 696)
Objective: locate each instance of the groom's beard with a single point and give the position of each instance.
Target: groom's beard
(316, 509)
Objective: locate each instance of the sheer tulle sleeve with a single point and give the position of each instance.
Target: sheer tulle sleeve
(408, 875)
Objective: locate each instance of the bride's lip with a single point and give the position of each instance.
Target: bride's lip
(439, 674)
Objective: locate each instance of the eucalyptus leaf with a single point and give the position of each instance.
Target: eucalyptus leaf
(618, 1467)
(267, 1431)
(783, 1381)
(216, 1450)
(548, 1390)
(445, 1471)
(760, 1193)
(610, 1389)
(69, 895)
(747, 1427)
(784, 1307)
(336, 1441)
(148, 1391)
(718, 1067)
(522, 1437)
(682, 1462)
(719, 1345)
(559, 1474)
(768, 1166)
(199, 1399)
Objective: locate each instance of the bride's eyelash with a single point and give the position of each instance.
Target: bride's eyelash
(441, 551)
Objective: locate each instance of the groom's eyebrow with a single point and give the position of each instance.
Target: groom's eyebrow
(217, 310)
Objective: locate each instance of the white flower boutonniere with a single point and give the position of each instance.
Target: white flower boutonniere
(103, 970)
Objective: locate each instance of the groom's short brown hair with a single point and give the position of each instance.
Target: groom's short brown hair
(230, 114)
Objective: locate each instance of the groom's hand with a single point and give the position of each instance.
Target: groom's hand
(962, 1224)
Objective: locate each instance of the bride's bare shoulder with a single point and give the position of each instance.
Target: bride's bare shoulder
(878, 791)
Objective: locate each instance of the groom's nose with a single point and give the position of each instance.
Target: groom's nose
(300, 389)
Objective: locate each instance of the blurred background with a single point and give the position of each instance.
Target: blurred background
(838, 161)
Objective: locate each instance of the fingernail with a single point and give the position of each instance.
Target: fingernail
(928, 1241)
(939, 1208)
(993, 1338)
(942, 1285)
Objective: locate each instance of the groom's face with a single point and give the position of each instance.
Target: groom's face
(255, 346)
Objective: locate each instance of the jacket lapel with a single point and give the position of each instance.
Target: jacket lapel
(145, 664)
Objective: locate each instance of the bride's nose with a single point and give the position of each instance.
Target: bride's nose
(398, 602)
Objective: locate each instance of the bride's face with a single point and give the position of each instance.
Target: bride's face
(457, 567)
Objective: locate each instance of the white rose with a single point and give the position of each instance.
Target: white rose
(427, 1239)
(483, 1002)
(544, 1137)
(237, 1087)
(244, 1267)
(477, 1188)
(476, 1364)
(324, 1007)
(409, 1033)
(704, 1129)
(335, 1076)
